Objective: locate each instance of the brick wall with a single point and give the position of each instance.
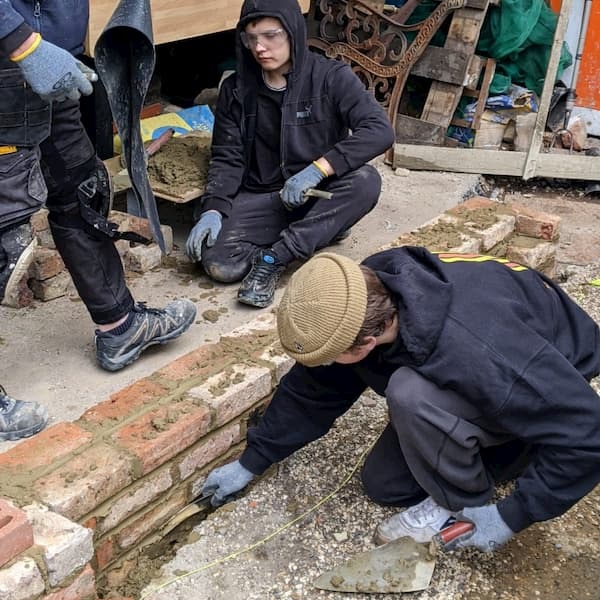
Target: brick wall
(82, 499)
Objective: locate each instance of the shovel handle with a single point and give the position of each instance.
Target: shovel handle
(454, 531)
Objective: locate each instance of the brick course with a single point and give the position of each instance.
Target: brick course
(16, 532)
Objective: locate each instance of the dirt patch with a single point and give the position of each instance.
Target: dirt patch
(181, 165)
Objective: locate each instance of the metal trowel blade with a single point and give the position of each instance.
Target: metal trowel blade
(401, 565)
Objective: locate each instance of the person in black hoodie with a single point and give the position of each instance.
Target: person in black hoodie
(485, 366)
(287, 121)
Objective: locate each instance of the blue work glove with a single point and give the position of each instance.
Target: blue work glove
(55, 74)
(292, 193)
(207, 228)
(226, 481)
(490, 531)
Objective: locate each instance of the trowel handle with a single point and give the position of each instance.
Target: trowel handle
(454, 531)
(161, 140)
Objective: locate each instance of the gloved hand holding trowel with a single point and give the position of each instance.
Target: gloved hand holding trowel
(479, 390)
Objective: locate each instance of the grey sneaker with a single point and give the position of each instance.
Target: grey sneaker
(19, 419)
(420, 522)
(150, 326)
(258, 287)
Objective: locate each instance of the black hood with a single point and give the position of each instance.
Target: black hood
(292, 19)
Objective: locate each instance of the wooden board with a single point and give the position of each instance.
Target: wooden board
(174, 19)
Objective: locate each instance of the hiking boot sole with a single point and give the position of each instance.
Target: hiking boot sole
(132, 356)
(11, 293)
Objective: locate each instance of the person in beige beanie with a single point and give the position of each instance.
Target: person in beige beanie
(485, 366)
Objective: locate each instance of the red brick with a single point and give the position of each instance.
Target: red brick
(127, 222)
(159, 435)
(55, 287)
(205, 360)
(152, 519)
(83, 588)
(534, 223)
(474, 203)
(125, 402)
(46, 263)
(48, 446)
(87, 480)
(39, 221)
(105, 552)
(16, 532)
(207, 450)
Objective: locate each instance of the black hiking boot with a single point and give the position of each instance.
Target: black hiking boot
(17, 247)
(258, 287)
(19, 419)
(149, 326)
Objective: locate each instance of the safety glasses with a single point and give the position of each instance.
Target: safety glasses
(270, 39)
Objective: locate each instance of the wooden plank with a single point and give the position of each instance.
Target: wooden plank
(174, 20)
(530, 167)
(440, 64)
(443, 98)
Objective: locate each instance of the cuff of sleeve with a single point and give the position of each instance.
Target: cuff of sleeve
(212, 203)
(13, 40)
(513, 515)
(338, 161)
(252, 461)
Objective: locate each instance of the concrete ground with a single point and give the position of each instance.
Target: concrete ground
(47, 352)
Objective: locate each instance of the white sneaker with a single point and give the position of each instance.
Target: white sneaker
(420, 522)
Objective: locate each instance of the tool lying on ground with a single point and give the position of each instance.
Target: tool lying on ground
(401, 565)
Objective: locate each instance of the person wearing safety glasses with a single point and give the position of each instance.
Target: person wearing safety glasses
(288, 123)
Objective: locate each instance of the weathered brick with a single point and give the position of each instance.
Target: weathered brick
(473, 203)
(55, 287)
(82, 588)
(531, 252)
(39, 221)
(46, 263)
(281, 361)
(264, 322)
(497, 232)
(128, 222)
(48, 446)
(133, 500)
(141, 259)
(534, 223)
(125, 402)
(16, 533)
(45, 239)
(152, 519)
(21, 581)
(207, 450)
(206, 359)
(160, 434)
(234, 391)
(105, 552)
(85, 481)
(469, 245)
(66, 546)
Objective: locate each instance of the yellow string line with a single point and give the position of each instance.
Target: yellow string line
(267, 538)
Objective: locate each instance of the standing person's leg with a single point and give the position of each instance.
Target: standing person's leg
(445, 444)
(125, 329)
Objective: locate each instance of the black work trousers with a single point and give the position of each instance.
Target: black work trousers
(46, 155)
(436, 444)
(262, 221)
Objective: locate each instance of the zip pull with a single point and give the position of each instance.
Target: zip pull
(37, 10)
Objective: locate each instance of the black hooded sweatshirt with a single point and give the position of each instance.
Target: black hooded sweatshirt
(324, 101)
(504, 337)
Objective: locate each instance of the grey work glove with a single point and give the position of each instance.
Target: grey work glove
(490, 531)
(207, 228)
(225, 481)
(292, 193)
(55, 74)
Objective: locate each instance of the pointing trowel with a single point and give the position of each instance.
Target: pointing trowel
(401, 565)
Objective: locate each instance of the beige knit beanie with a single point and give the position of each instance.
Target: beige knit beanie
(322, 309)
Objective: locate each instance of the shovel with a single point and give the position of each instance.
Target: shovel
(401, 565)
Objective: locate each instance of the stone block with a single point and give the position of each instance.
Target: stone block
(233, 391)
(55, 287)
(16, 533)
(46, 263)
(141, 259)
(21, 581)
(66, 546)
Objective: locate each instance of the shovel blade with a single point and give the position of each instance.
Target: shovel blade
(401, 565)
